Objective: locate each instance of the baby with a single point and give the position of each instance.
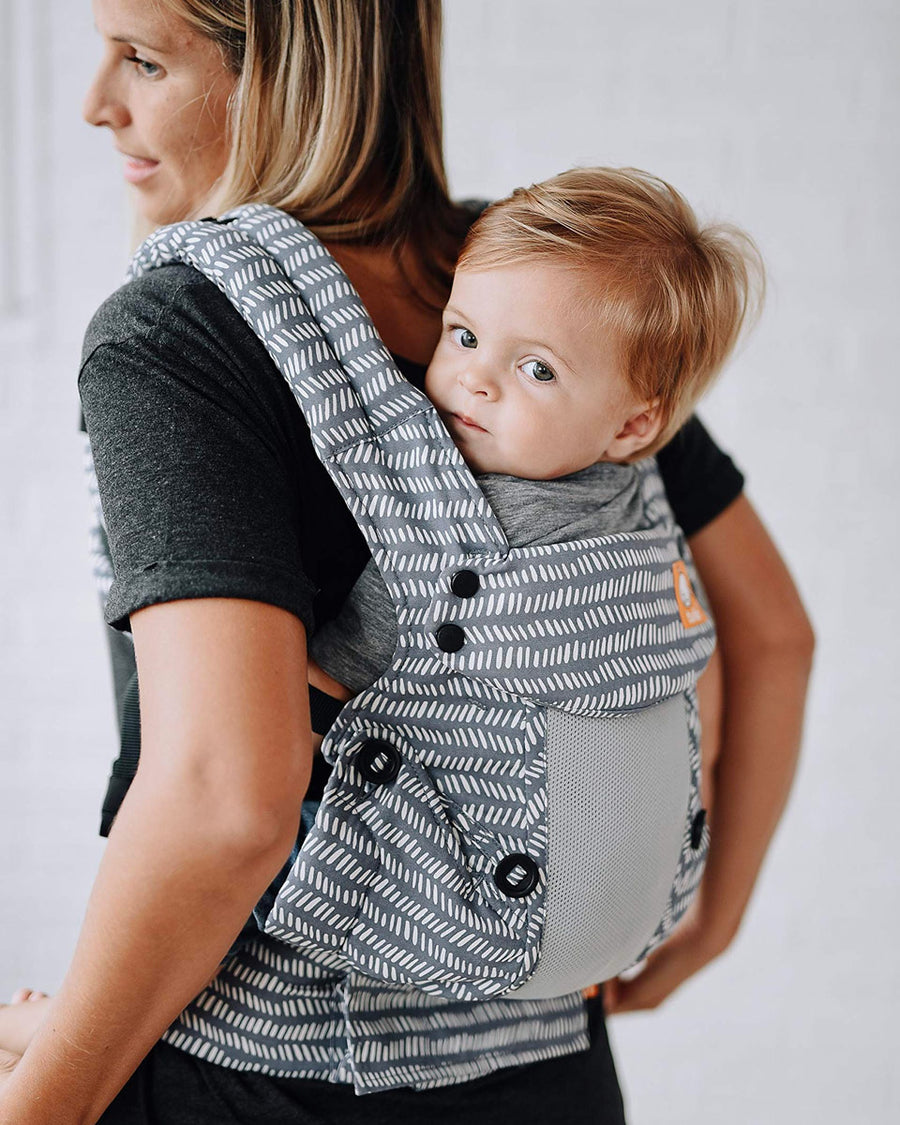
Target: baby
(588, 315)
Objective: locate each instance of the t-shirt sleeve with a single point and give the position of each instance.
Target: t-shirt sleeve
(357, 645)
(701, 480)
(192, 453)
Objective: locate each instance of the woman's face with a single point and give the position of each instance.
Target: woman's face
(163, 90)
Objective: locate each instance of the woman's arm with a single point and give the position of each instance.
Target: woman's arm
(208, 822)
(766, 642)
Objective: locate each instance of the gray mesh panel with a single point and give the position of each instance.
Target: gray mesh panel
(608, 884)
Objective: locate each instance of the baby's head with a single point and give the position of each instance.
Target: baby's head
(588, 315)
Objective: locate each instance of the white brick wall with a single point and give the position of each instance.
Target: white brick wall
(780, 116)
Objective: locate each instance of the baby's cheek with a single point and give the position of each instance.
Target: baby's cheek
(434, 380)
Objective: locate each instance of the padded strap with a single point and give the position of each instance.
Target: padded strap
(367, 422)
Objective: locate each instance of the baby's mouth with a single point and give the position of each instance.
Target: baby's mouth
(468, 422)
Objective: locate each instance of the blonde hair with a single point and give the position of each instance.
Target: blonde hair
(675, 293)
(336, 118)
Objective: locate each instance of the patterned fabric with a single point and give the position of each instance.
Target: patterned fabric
(270, 1010)
(431, 864)
(101, 563)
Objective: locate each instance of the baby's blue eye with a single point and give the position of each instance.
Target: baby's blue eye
(465, 338)
(538, 371)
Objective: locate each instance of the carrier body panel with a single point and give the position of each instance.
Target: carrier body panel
(514, 804)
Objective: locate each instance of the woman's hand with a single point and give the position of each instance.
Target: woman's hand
(686, 952)
(20, 1020)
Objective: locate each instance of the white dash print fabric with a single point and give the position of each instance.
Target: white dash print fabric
(443, 853)
(514, 806)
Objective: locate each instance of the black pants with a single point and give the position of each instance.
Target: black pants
(174, 1088)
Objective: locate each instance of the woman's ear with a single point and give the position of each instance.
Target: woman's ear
(639, 430)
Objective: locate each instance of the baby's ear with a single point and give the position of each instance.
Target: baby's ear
(640, 430)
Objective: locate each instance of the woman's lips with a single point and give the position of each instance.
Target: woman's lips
(138, 169)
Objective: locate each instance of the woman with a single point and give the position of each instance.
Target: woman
(229, 542)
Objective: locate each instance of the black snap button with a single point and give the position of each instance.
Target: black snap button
(378, 761)
(465, 583)
(516, 875)
(450, 638)
(697, 829)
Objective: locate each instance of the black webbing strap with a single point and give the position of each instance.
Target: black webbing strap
(323, 711)
(125, 766)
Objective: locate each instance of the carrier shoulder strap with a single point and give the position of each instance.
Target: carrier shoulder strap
(369, 426)
(619, 628)
(397, 467)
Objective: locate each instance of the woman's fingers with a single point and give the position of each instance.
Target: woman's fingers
(684, 954)
(23, 995)
(664, 971)
(20, 1020)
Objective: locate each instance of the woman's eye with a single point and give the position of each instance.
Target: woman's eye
(148, 69)
(464, 338)
(538, 371)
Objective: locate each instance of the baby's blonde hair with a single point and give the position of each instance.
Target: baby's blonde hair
(676, 294)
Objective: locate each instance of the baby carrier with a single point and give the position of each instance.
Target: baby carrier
(514, 804)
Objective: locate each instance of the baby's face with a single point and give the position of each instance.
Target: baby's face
(527, 382)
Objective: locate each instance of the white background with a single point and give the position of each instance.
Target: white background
(779, 116)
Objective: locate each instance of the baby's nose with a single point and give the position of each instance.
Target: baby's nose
(479, 381)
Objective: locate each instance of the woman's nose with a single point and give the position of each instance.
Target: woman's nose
(101, 106)
(477, 380)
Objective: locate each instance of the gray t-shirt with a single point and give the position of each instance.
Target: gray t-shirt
(358, 645)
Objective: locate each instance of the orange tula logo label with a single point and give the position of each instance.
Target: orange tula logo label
(689, 606)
